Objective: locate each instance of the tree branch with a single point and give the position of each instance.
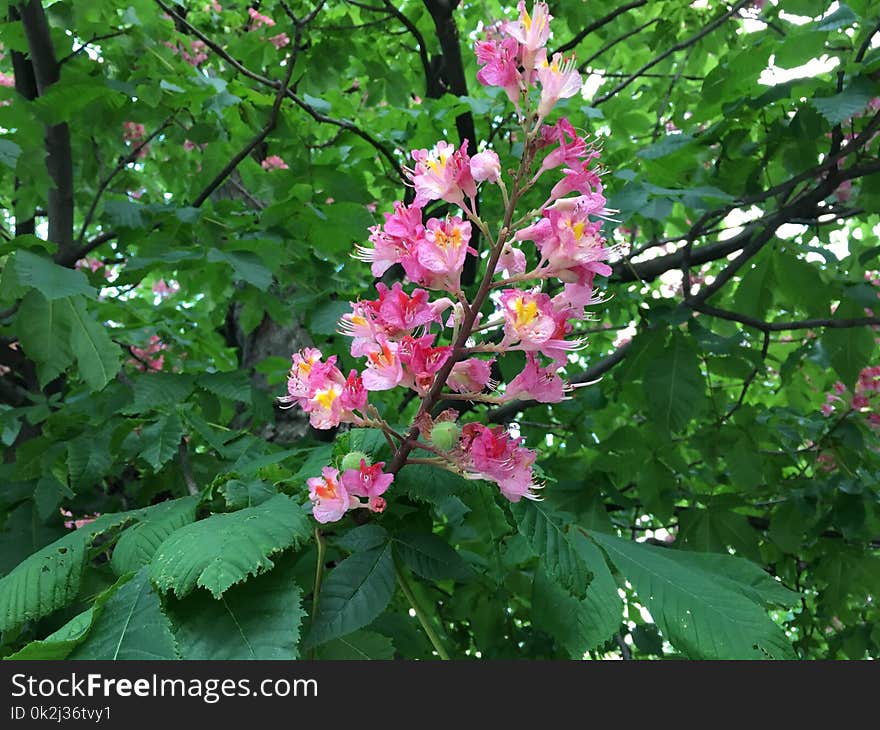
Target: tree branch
(596, 24)
(59, 160)
(696, 38)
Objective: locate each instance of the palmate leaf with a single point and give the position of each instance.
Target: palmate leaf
(579, 625)
(551, 541)
(359, 645)
(96, 354)
(60, 643)
(130, 626)
(224, 549)
(259, 619)
(43, 328)
(355, 593)
(707, 609)
(675, 388)
(50, 578)
(430, 556)
(137, 545)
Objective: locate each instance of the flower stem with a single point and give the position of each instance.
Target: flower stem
(424, 620)
(319, 576)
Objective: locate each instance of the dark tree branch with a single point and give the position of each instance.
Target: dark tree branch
(507, 412)
(26, 85)
(608, 46)
(120, 166)
(420, 40)
(258, 138)
(596, 24)
(452, 79)
(696, 38)
(59, 160)
(311, 111)
(94, 39)
(803, 324)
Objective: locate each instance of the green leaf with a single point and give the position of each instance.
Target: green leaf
(9, 153)
(50, 578)
(356, 592)
(429, 484)
(843, 106)
(124, 214)
(156, 389)
(224, 549)
(250, 493)
(96, 354)
(137, 544)
(551, 540)
(246, 265)
(60, 643)
(364, 537)
(43, 327)
(162, 440)
(131, 626)
(703, 613)
(259, 619)
(234, 385)
(47, 277)
(89, 459)
(579, 625)
(359, 645)
(850, 349)
(430, 556)
(674, 385)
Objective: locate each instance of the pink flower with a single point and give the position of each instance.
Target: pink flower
(274, 162)
(532, 31)
(443, 173)
(400, 313)
(500, 66)
(162, 290)
(471, 375)
(541, 384)
(422, 361)
(90, 263)
(330, 500)
(569, 241)
(143, 356)
(528, 318)
(75, 524)
(559, 80)
(258, 20)
(132, 131)
(320, 389)
(198, 53)
(491, 453)
(512, 261)
(827, 409)
(395, 242)
(7, 80)
(486, 166)
(571, 149)
(384, 369)
(279, 41)
(442, 252)
(367, 481)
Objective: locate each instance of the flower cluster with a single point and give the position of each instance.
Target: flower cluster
(864, 398)
(427, 334)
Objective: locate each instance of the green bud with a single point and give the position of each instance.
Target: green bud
(352, 460)
(445, 435)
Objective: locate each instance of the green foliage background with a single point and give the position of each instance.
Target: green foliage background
(705, 434)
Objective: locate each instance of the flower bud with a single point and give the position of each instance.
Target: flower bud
(486, 166)
(445, 435)
(352, 460)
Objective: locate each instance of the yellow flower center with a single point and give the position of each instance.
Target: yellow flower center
(326, 398)
(525, 312)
